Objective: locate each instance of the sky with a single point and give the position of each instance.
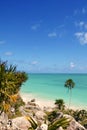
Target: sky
(44, 36)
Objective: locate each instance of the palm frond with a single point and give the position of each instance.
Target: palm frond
(32, 121)
(63, 122)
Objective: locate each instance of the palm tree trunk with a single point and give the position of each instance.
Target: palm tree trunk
(70, 98)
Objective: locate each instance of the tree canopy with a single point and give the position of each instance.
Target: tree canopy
(69, 84)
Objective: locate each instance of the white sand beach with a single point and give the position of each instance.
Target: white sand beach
(41, 102)
(44, 102)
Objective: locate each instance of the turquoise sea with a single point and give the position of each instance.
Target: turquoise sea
(51, 87)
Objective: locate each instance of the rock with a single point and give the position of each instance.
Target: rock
(44, 127)
(9, 123)
(21, 123)
(13, 110)
(31, 103)
(74, 125)
(40, 115)
(32, 106)
(68, 116)
(48, 109)
(60, 128)
(38, 128)
(33, 100)
(21, 109)
(3, 118)
(59, 115)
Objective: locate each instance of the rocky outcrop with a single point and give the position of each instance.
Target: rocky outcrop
(20, 123)
(74, 125)
(60, 128)
(40, 115)
(43, 127)
(36, 119)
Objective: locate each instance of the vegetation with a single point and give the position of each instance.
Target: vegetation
(54, 121)
(81, 117)
(52, 115)
(63, 122)
(69, 84)
(60, 104)
(10, 83)
(33, 123)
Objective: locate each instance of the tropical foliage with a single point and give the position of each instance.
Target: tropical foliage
(52, 115)
(69, 84)
(63, 122)
(33, 123)
(60, 104)
(81, 117)
(54, 122)
(10, 83)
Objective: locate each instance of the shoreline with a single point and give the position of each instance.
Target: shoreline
(39, 101)
(46, 102)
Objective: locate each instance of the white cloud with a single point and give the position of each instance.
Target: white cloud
(85, 26)
(83, 10)
(79, 34)
(81, 24)
(72, 65)
(75, 12)
(34, 62)
(2, 42)
(82, 37)
(35, 27)
(8, 53)
(53, 34)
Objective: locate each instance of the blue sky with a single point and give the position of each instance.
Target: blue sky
(44, 36)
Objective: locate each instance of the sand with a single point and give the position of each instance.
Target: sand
(41, 102)
(44, 102)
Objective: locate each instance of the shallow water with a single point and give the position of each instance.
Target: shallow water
(51, 86)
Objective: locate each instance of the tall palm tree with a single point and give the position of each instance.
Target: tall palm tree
(69, 84)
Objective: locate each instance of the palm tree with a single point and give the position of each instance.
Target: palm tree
(69, 84)
(60, 104)
(10, 83)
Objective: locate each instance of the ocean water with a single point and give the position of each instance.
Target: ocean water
(51, 87)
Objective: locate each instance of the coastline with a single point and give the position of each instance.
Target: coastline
(50, 87)
(41, 102)
(46, 102)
